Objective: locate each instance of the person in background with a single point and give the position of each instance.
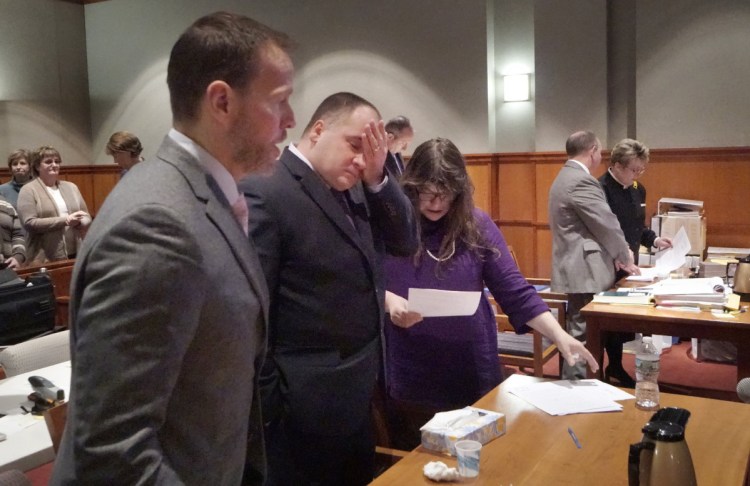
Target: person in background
(168, 302)
(442, 363)
(400, 135)
(52, 211)
(627, 199)
(12, 246)
(322, 223)
(588, 245)
(19, 163)
(125, 149)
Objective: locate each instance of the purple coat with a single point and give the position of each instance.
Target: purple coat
(450, 362)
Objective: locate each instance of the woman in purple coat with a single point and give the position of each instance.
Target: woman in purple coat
(442, 363)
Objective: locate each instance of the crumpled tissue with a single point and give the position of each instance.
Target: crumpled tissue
(439, 471)
(446, 428)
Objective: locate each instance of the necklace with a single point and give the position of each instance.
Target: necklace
(439, 260)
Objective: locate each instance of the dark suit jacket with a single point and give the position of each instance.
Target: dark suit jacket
(327, 291)
(395, 164)
(629, 205)
(168, 312)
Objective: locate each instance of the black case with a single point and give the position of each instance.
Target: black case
(27, 307)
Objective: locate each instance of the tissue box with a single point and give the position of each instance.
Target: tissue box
(446, 428)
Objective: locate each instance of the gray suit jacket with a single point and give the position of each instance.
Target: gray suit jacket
(168, 311)
(586, 236)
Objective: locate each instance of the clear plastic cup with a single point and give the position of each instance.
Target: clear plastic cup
(467, 453)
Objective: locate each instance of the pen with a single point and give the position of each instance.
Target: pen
(575, 439)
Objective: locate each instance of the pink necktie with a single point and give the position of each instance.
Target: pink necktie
(239, 208)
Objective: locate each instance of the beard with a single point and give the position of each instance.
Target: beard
(251, 155)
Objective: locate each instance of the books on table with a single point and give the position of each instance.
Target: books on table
(697, 292)
(624, 297)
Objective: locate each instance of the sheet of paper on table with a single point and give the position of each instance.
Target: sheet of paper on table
(564, 397)
(443, 303)
(668, 260)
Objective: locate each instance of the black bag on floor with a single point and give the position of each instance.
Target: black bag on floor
(27, 307)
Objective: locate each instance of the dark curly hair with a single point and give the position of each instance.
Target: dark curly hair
(437, 164)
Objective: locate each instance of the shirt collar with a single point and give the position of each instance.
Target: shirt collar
(209, 164)
(616, 179)
(293, 149)
(582, 166)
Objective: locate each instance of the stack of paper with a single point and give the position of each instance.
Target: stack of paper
(564, 397)
(627, 297)
(726, 253)
(695, 292)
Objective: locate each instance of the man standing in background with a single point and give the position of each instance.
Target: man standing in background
(168, 303)
(321, 235)
(400, 135)
(587, 242)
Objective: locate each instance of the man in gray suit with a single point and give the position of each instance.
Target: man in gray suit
(168, 304)
(587, 242)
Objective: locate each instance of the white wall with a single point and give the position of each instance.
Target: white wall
(43, 87)
(677, 74)
(693, 67)
(375, 49)
(571, 70)
(513, 46)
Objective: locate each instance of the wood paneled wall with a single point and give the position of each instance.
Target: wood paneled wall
(516, 194)
(94, 181)
(513, 189)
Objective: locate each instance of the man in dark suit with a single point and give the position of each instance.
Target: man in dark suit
(400, 134)
(322, 224)
(587, 242)
(168, 303)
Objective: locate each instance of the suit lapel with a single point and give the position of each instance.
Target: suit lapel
(321, 195)
(217, 209)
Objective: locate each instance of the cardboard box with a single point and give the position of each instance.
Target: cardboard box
(695, 228)
(675, 213)
(442, 432)
(678, 206)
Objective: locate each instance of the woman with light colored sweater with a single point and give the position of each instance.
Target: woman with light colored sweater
(52, 211)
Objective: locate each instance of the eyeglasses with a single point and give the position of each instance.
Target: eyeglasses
(429, 196)
(637, 170)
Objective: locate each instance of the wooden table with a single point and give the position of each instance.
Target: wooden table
(602, 318)
(537, 450)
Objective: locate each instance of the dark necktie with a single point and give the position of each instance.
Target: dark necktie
(340, 197)
(399, 163)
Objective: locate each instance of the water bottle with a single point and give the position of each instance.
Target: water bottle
(647, 375)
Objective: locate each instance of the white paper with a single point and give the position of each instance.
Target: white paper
(687, 286)
(10, 424)
(564, 397)
(443, 303)
(668, 260)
